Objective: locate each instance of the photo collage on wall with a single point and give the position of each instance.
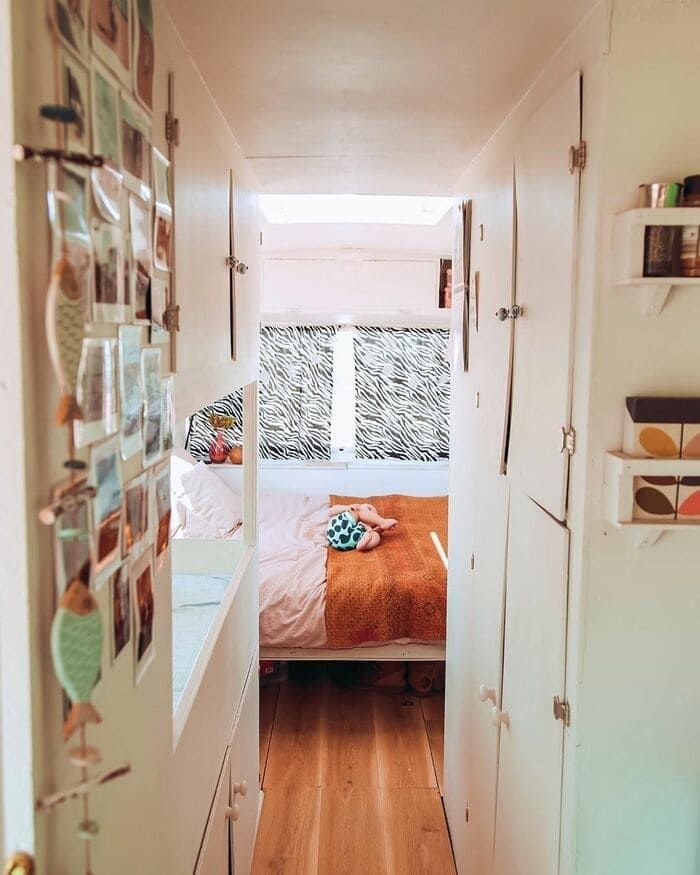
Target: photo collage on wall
(112, 253)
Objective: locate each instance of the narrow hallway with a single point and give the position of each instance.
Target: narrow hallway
(351, 780)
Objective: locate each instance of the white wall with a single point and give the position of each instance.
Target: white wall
(639, 707)
(134, 812)
(632, 752)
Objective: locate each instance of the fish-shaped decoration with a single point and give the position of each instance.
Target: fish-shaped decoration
(76, 649)
(66, 315)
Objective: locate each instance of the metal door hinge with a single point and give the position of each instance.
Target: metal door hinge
(561, 710)
(172, 129)
(568, 440)
(577, 156)
(171, 317)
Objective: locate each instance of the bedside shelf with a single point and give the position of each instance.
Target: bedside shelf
(620, 471)
(628, 253)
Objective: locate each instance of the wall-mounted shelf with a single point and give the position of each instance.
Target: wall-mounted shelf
(620, 471)
(628, 254)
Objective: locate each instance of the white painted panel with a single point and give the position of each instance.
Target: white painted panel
(245, 782)
(530, 768)
(214, 854)
(349, 282)
(547, 197)
(345, 478)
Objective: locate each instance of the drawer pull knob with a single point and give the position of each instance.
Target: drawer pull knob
(240, 788)
(233, 812)
(499, 718)
(487, 694)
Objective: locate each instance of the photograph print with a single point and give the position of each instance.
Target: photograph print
(144, 53)
(120, 609)
(76, 95)
(105, 476)
(73, 546)
(144, 608)
(108, 301)
(136, 523)
(136, 148)
(161, 485)
(152, 405)
(70, 19)
(130, 390)
(106, 141)
(110, 35)
(141, 258)
(97, 391)
(163, 223)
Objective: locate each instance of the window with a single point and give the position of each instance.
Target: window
(329, 393)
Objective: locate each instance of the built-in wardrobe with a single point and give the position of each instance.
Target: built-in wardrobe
(507, 662)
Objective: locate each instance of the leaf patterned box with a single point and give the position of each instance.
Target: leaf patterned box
(657, 427)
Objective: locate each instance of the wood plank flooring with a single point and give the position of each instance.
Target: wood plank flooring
(351, 781)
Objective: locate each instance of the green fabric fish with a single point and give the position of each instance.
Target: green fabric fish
(76, 649)
(66, 315)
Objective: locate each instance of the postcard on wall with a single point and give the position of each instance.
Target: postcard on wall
(70, 19)
(144, 52)
(75, 93)
(73, 546)
(105, 476)
(168, 421)
(136, 148)
(163, 223)
(161, 489)
(141, 257)
(120, 610)
(143, 601)
(130, 390)
(108, 303)
(136, 516)
(97, 391)
(152, 406)
(158, 303)
(110, 35)
(106, 141)
(70, 235)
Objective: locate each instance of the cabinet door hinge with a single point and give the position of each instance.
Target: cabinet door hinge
(568, 440)
(466, 814)
(172, 129)
(577, 156)
(561, 710)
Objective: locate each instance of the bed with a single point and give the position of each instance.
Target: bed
(321, 604)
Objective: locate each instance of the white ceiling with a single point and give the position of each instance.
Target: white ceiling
(369, 96)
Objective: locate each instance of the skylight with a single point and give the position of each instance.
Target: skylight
(285, 209)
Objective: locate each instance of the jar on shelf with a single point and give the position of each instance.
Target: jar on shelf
(661, 242)
(690, 234)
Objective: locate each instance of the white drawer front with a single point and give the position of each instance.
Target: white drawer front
(245, 787)
(214, 854)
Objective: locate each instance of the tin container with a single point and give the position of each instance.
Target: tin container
(662, 243)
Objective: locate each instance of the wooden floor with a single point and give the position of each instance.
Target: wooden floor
(351, 780)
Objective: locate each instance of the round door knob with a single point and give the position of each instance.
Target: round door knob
(502, 314)
(516, 311)
(233, 812)
(500, 718)
(240, 788)
(487, 694)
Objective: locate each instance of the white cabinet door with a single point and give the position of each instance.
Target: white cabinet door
(478, 526)
(547, 206)
(214, 854)
(530, 766)
(245, 786)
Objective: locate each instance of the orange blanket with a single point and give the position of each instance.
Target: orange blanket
(397, 590)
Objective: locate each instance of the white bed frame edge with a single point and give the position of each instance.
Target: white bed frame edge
(380, 653)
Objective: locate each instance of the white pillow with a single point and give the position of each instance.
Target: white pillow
(211, 499)
(195, 527)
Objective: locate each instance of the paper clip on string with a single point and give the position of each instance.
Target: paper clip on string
(67, 502)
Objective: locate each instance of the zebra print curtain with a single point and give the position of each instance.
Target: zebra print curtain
(402, 388)
(296, 391)
(201, 432)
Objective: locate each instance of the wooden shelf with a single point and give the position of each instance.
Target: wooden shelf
(628, 254)
(620, 471)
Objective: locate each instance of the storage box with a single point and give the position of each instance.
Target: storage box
(689, 498)
(654, 427)
(691, 441)
(655, 498)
